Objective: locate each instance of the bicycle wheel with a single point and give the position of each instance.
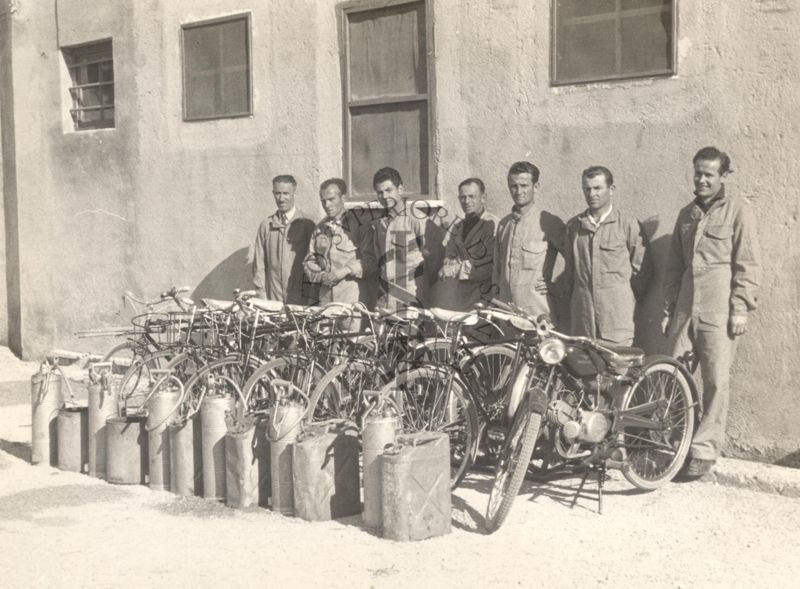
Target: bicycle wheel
(123, 356)
(654, 455)
(139, 378)
(429, 400)
(339, 393)
(512, 466)
(294, 369)
(223, 377)
(489, 372)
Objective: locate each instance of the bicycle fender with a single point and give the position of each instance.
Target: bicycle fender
(537, 400)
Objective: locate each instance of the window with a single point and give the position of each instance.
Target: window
(216, 69)
(612, 39)
(91, 72)
(386, 95)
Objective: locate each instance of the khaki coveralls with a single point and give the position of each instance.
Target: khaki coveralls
(471, 259)
(339, 243)
(604, 269)
(278, 257)
(712, 274)
(526, 247)
(399, 248)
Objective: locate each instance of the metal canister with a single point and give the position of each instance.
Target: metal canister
(212, 422)
(415, 495)
(102, 405)
(241, 469)
(325, 473)
(380, 431)
(73, 450)
(45, 402)
(283, 430)
(185, 457)
(161, 405)
(126, 450)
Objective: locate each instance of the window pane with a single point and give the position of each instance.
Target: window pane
(201, 95)
(586, 51)
(91, 96)
(646, 43)
(235, 94)
(633, 4)
(106, 71)
(388, 53)
(573, 8)
(202, 48)
(395, 136)
(234, 43)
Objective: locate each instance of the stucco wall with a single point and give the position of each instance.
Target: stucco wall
(157, 201)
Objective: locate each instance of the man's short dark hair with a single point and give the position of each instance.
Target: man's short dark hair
(711, 153)
(385, 174)
(285, 178)
(593, 171)
(476, 181)
(338, 182)
(524, 168)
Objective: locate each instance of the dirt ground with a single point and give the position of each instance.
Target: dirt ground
(69, 530)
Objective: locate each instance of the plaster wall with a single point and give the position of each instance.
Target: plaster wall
(158, 201)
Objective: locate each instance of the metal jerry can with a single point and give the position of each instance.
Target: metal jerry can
(284, 428)
(325, 473)
(416, 487)
(380, 430)
(126, 450)
(73, 429)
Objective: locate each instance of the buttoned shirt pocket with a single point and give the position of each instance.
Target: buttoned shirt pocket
(532, 253)
(613, 256)
(717, 243)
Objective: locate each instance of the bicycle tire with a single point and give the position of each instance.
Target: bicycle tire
(140, 375)
(512, 466)
(653, 458)
(340, 406)
(489, 371)
(256, 400)
(410, 402)
(194, 394)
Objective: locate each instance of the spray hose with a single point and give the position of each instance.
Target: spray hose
(166, 376)
(277, 424)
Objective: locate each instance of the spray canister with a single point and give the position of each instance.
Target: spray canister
(73, 451)
(185, 457)
(102, 405)
(46, 400)
(284, 428)
(126, 450)
(161, 404)
(212, 423)
(380, 430)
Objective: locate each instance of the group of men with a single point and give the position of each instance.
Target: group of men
(712, 273)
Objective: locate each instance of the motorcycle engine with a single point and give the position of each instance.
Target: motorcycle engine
(574, 411)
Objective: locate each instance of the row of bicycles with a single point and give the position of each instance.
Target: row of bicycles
(512, 393)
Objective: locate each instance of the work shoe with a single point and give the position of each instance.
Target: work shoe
(698, 468)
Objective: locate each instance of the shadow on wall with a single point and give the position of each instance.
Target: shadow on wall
(647, 320)
(233, 272)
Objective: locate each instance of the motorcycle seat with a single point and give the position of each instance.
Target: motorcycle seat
(625, 355)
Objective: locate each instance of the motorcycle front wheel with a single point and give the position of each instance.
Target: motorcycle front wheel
(655, 455)
(512, 465)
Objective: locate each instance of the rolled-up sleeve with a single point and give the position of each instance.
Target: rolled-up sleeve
(745, 262)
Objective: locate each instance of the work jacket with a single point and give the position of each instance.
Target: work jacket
(714, 266)
(343, 242)
(604, 270)
(278, 257)
(399, 249)
(469, 258)
(525, 252)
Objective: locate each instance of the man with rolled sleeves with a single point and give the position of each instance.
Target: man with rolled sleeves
(339, 254)
(528, 242)
(604, 263)
(469, 250)
(710, 286)
(281, 246)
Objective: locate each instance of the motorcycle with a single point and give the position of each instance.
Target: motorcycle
(584, 403)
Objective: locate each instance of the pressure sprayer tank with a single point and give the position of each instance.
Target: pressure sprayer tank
(380, 430)
(246, 465)
(416, 487)
(325, 472)
(45, 402)
(284, 427)
(102, 405)
(73, 448)
(185, 457)
(212, 422)
(162, 403)
(126, 450)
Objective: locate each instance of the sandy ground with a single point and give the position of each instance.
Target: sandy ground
(69, 530)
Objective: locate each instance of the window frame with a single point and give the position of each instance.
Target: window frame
(246, 16)
(68, 55)
(670, 72)
(356, 6)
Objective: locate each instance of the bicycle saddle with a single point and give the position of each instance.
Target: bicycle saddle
(625, 355)
(469, 318)
(217, 305)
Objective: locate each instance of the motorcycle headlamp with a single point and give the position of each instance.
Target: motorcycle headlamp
(552, 350)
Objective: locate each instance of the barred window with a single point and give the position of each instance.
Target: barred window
(91, 70)
(596, 40)
(216, 69)
(386, 94)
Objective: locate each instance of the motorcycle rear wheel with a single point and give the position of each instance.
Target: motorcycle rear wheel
(512, 466)
(654, 457)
